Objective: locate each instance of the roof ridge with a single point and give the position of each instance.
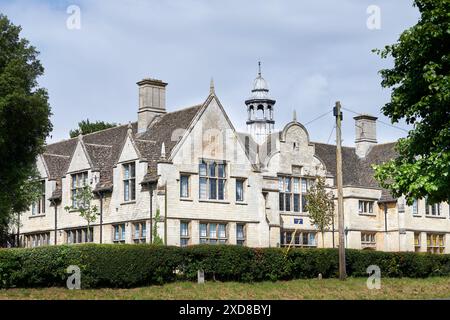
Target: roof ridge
(98, 145)
(55, 155)
(186, 108)
(332, 145)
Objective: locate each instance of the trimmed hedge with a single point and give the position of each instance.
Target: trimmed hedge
(123, 266)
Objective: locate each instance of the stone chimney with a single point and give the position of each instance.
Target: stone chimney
(152, 101)
(365, 134)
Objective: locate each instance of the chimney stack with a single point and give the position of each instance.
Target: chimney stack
(365, 134)
(152, 101)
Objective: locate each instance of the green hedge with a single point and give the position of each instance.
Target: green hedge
(125, 266)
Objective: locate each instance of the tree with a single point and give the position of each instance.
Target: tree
(86, 127)
(83, 204)
(24, 118)
(320, 206)
(420, 82)
(156, 238)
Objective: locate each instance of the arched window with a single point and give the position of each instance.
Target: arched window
(260, 112)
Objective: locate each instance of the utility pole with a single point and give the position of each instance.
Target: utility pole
(338, 114)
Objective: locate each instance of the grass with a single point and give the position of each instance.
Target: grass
(353, 288)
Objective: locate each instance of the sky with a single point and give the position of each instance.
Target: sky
(313, 53)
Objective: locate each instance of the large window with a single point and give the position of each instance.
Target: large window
(365, 206)
(184, 233)
(212, 180)
(79, 235)
(240, 234)
(140, 232)
(432, 209)
(415, 207)
(417, 244)
(119, 233)
(37, 240)
(129, 181)
(213, 233)
(39, 206)
(184, 186)
(240, 189)
(368, 240)
(79, 181)
(297, 238)
(435, 243)
(292, 193)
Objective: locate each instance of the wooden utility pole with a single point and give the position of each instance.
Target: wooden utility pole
(338, 114)
(165, 214)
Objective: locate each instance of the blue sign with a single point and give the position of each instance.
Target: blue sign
(298, 221)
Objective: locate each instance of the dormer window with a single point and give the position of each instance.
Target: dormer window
(129, 181)
(79, 181)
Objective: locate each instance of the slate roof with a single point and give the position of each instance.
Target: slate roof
(357, 171)
(104, 147)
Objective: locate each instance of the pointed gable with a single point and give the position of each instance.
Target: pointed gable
(80, 159)
(129, 151)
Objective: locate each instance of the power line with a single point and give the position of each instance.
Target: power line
(331, 133)
(319, 117)
(380, 121)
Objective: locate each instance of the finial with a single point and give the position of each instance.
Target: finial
(259, 68)
(130, 128)
(163, 151)
(294, 116)
(211, 87)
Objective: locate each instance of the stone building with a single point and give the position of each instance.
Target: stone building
(189, 176)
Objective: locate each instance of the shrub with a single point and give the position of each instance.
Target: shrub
(124, 266)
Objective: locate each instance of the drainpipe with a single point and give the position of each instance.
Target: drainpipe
(101, 217)
(151, 213)
(56, 221)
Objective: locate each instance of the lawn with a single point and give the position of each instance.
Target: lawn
(353, 288)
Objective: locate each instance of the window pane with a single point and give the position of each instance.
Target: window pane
(212, 230)
(133, 189)
(296, 185)
(184, 229)
(184, 186)
(239, 190)
(212, 169)
(222, 231)
(312, 239)
(280, 184)
(212, 188)
(144, 230)
(203, 228)
(288, 184)
(221, 168)
(132, 170)
(240, 231)
(281, 201)
(123, 232)
(288, 202)
(296, 202)
(221, 194)
(126, 190)
(126, 173)
(202, 169)
(202, 188)
(304, 185)
(136, 231)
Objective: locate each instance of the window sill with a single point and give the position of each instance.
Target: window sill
(128, 202)
(417, 215)
(242, 203)
(37, 216)
(214, 201)
(187, 199)
(294, 213)
(435, 217)
(367, 214)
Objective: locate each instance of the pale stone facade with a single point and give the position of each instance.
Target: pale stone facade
(211, 184)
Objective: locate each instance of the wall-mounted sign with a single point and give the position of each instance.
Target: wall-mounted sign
(298, 221)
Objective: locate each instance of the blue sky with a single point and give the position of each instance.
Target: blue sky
(313, 53)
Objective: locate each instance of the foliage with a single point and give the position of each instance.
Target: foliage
(156, 238)
(320, 206)
(85, 127)
(24, 118)
(420, 82)
(83, 205)
(124, 265)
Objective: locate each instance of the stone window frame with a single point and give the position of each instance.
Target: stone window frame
(188, 188)
(129, 180)
(417, 241)
(300, 194)
(37, 240)
(75, 186)
(240, 181)
(38, 207)
(210, 179)
(366, 207)
(368, 239)
(241, 241)
(185, 239)
(213, 240)
(79, 232)
(297, 234)
(142, 232)
(435, 242)
(121, 228)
